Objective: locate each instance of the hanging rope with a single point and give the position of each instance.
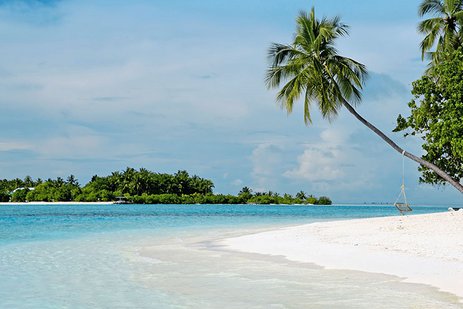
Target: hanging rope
(403, 171)
(402, 207)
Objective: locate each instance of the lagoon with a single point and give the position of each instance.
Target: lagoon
(166, 256)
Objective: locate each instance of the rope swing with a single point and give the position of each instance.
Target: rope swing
(402, 206)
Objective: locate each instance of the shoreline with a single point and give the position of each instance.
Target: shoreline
(54, 203)
(444, 207)
(424, 249)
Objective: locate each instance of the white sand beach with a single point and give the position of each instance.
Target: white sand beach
(426, 249)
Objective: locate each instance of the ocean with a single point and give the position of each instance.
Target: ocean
(166, 256)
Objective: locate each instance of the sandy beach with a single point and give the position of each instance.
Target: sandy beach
(426, 249)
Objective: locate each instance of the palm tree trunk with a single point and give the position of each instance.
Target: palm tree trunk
(427, 164)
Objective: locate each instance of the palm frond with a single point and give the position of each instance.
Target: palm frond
(290, 92)
(341, 28)
(280, 53)
(428, 42)
(442, 31)
(452, 6)
(459, 15)
(431, 7)
(429, 25)
(311, 68)
(307, 101)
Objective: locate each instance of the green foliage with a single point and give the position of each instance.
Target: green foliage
(19, 195)
(55, 190)
(443, 30)
(185, 199)
(323, 200)
(140, 187)
(437, 117)
(4, 196)
(287, 199)
(263, 199)
(313, 70)
(11, 185)
(301, 195)
(312, 200)
(136, 183)
(245, 195)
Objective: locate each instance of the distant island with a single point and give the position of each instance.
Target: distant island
(141, 187)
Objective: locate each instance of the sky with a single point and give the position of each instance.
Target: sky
(91, 87)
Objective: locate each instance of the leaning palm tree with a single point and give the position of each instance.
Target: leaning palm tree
(443, 30)
(313, 70)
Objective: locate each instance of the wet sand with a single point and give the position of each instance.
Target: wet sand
(426, 249)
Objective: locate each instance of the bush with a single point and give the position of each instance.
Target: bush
(323, 200)
(4, 196)
(312, 200)
(20, 195)
(263, 199)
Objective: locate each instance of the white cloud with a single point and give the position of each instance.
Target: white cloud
(333, 163)
(336, 135)
(14, 145)
(324, 160)
(266, 159)
(72, 142)
(318, 165)
(72, 146)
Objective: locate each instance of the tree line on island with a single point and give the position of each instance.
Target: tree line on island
(141, 187)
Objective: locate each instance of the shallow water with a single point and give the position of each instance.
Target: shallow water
(159, 256)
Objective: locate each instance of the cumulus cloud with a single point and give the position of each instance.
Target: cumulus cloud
(318, 165)
(326, 159)
(333, 163)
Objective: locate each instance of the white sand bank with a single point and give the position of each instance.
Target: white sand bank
(424, 249)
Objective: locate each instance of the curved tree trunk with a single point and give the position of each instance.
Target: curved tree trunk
(429, 165)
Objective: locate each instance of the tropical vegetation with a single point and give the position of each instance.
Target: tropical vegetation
(310, 68)
(142, 187)
(436, 116)
(436, 110)
(442, 30)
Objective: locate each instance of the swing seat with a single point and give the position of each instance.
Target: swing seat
(403, 207)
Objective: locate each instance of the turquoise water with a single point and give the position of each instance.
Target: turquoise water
(44, 222)
(157, 256)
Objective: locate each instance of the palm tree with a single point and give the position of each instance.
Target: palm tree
(301, 195)
(316, 72)
(443, 29)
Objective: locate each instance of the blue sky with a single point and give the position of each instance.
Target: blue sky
(89, 87)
